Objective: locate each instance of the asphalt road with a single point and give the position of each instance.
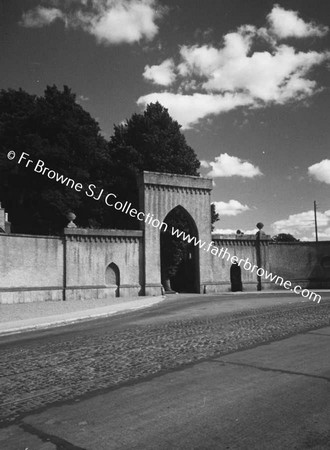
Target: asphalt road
(271, 397)
(176, 307)
(173, 377)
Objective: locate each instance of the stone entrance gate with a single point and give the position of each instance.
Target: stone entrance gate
(159, 195)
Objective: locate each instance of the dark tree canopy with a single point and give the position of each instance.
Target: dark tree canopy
(55, 129)
(284, 237)
(149, 141)
(153, 141)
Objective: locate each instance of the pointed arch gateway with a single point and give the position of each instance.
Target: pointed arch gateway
(179, 258)
(163, 196)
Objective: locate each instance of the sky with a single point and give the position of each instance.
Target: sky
(248, 80)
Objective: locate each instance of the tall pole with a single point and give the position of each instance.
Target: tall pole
(315, 219)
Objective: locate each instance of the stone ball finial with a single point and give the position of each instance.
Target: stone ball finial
(71, 217)
(260, 225)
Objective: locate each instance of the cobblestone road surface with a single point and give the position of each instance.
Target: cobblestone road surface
(49, 371)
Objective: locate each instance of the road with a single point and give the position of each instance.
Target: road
(175, 376)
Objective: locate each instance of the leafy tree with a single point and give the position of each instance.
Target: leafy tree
(56, 130)
(150, 141)
(284, 237)
(214, 216)
(153, 141)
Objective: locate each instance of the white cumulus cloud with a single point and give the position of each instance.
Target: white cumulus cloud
(232, 231)
(320, 171)
(231, 208)
(301, 222)
(225, 165)
(204, 164)
(40, 17)
(163, 74)
(268, 77)
(214, 79)
(189, 109)
(83, 98)
(110, 21)
(325, 234)
(286, 23)
(224, 231)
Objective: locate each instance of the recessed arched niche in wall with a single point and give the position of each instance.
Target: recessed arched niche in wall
(236, 278)
(326, 265)
(112, 277)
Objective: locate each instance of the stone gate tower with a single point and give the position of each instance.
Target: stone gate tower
(159, 195)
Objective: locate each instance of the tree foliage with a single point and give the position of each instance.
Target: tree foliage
(153, 141)
(214, 216)
(284, 237)
(150, 141)
(56, 130)
(172, 246)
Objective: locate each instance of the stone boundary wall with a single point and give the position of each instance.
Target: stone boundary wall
(84, 264)
(243, 248)
(89, 253)
(31, 268)
(81, 264)
(303, 263)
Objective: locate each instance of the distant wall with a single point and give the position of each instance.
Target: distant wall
(243, 248)
(303, 263)
(31, 268)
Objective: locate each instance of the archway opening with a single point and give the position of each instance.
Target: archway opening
(326, 263)
(236, 278)
(179, 256)
(112, 278)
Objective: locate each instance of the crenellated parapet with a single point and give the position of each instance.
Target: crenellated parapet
(176, 189)
(105, 236)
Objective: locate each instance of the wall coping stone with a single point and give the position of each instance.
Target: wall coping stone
(234, 238)
(39, 236)
(175, 180)
(102, 232)
(319, 243)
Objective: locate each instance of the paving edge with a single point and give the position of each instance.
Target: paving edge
(68, 321)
